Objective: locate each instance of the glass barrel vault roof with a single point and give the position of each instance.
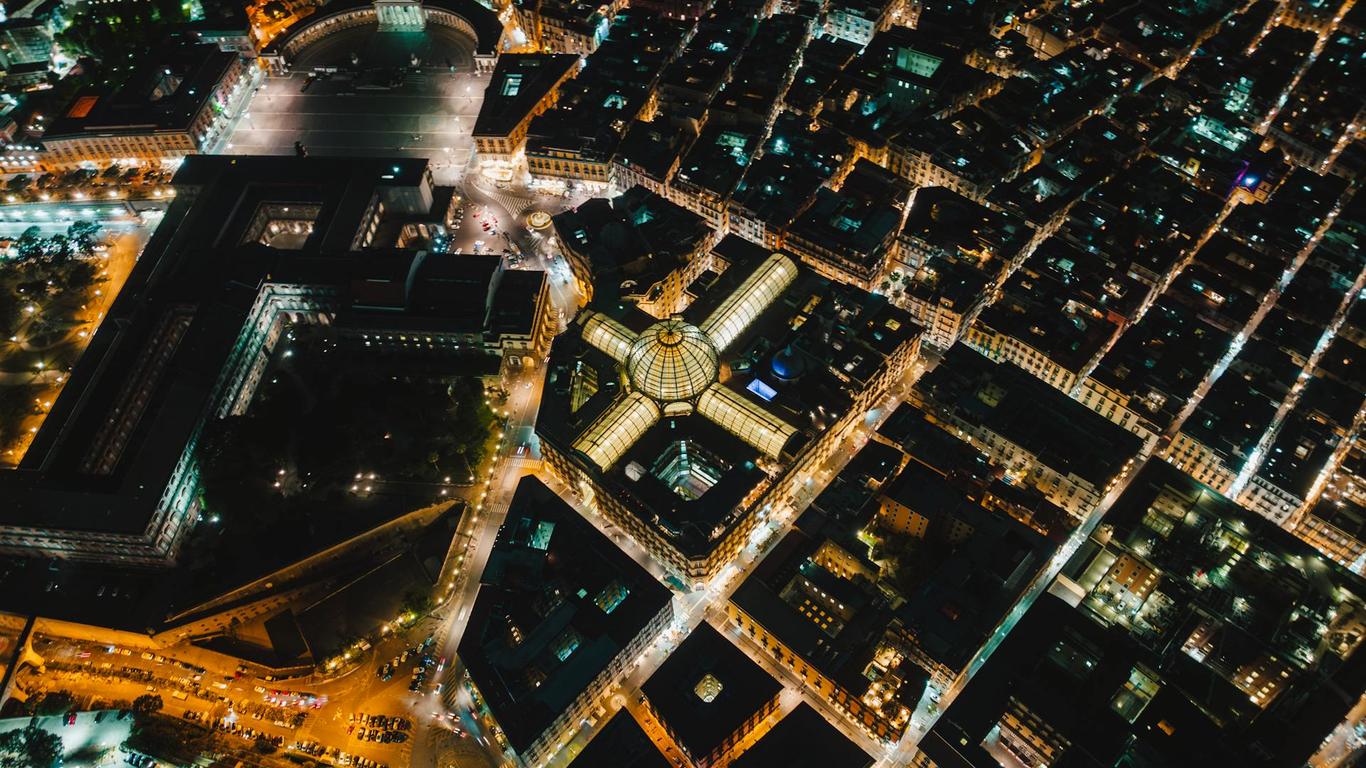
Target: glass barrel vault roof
(608, 335)
(744, 419)
(749, 300)
(617, 429)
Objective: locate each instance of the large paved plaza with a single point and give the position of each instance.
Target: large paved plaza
(429, 114)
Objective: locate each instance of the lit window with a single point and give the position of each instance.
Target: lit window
(708, 688)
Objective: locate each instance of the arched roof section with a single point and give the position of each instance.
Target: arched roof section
(486, 29)
(671, 361)
(749, 300)
(608, 335)
(467, 16)
(746, 420)
(617, 429)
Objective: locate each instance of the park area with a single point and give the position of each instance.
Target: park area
(54, 291)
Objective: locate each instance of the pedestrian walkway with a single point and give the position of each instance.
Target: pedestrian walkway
(514, 204)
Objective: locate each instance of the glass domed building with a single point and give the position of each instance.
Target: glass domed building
(687, 455)
(672, 368)
(672, 360)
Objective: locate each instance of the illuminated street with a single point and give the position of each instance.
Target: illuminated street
(452, 384)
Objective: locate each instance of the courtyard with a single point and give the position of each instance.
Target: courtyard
(338, 439)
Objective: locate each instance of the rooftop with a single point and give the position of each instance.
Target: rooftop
(518, 84)
(630, 243)
(165, 93)
(1301, 450)
(1046, 305)
(484, 25)
(1191, 630)
(958, 604)
(223, 290)
(621, 744)
(804, 739)
(1064, 434)
(557, 602)
(795, 163)
(951, 226)
(597, 107)
(707, 689)
(671, 360)
(758, 364)
(1158, 362)
(856, 225)
(843, 627)
(718, 158)
(652, 148)
(1231, 419)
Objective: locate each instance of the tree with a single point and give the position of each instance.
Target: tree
(117, 37)
(77, 275)
(44, 748)
(30, 747)
(15, 407)
(55, 703)
(84, 235)
(12, 752)
(264, 745)
(147, 704)
(29, 244)
(417, 602)
(168, 739)
(11, 305)
(469, 420)
(57, 249)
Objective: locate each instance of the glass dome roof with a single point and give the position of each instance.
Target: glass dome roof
(671, 360)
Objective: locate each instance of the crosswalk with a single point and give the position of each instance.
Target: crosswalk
(514, 204)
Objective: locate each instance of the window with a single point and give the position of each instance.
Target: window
(1130, 700)
(565, 645)
(1074, 655)
(708, 688)
(611, 596)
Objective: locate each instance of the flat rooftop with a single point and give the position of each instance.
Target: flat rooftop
(518, 84)
(97, 466)
(621, 744)
(707, 689)
(1064, 434)
(557, 602)
(1159, 361)
(168, 89)
(1194, 633)
(804, 739)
